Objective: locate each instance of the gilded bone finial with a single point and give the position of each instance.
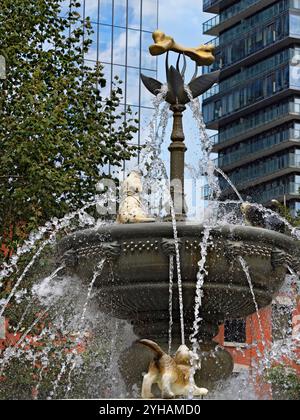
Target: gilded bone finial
(202, 55)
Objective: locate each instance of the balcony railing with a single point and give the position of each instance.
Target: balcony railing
(265, 168)
(211, 23)
(215, 42)
(256, 121)
(209, 3)
(292, 188)
(214, 90)
(265, 144)
(257, 70)
(234, 10)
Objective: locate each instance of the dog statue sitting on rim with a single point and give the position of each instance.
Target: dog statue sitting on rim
(131, 208)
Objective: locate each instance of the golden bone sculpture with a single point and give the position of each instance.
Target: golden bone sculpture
(202, 55)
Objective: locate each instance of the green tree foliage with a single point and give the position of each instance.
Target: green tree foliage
(56, 130)
(285, 382)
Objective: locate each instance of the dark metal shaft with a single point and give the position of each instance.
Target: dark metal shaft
(177, 150)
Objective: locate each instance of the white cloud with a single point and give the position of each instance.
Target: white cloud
(184, 22)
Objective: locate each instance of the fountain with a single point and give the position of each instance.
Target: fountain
(233, 270)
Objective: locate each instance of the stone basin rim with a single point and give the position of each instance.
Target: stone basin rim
(125, 232)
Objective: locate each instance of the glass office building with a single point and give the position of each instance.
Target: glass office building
(122, 35)
(256, 105)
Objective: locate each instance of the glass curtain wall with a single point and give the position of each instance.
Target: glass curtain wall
(122, 34)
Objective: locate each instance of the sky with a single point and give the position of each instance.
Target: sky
(183, 19)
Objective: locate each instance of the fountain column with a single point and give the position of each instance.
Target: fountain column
(177, 151)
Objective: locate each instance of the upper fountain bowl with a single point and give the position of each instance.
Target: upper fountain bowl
(134, 285)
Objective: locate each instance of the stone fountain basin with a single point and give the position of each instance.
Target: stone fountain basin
(134, 284)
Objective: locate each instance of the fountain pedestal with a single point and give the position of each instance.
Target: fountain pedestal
(134, 284)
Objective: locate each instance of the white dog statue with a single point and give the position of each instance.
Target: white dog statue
(131, 209)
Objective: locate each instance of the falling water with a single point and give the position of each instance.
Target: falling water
(53, 226)
(179, 278)
(26, 341)
(268, 212)
(152, 148)
(206, 167)
(40, 378)
(151, 165)
(157, 171)
(11, 351)
(171, 276)
(96, 274)
(247, 273)
(60, 375)
(228, 180)
(36, 321)
(27, 268)
(202, 272)
(29, 305)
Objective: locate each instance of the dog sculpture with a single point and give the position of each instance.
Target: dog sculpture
(171, 374)
(131, 209)
(259, 217)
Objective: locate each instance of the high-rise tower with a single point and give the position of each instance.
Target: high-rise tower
(256, 105)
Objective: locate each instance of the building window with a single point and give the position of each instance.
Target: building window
(235, 331)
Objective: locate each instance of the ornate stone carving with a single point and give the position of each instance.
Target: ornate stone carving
(168, 246)
(140, 246)
(232, 250)
(110, 249)
(104, 249)
(294, 263)
(70, 259)
(278, 258)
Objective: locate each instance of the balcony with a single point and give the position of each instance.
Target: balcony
(255, 124)
(214, 6)
(214, 90)
(267, 146)
(265, 171)
(291, 190)
(282, 192)
(214, 41)
(209, 27)
(234, 14)
(245, 156)
(238, 49)
(211, 6)
(251, 73)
